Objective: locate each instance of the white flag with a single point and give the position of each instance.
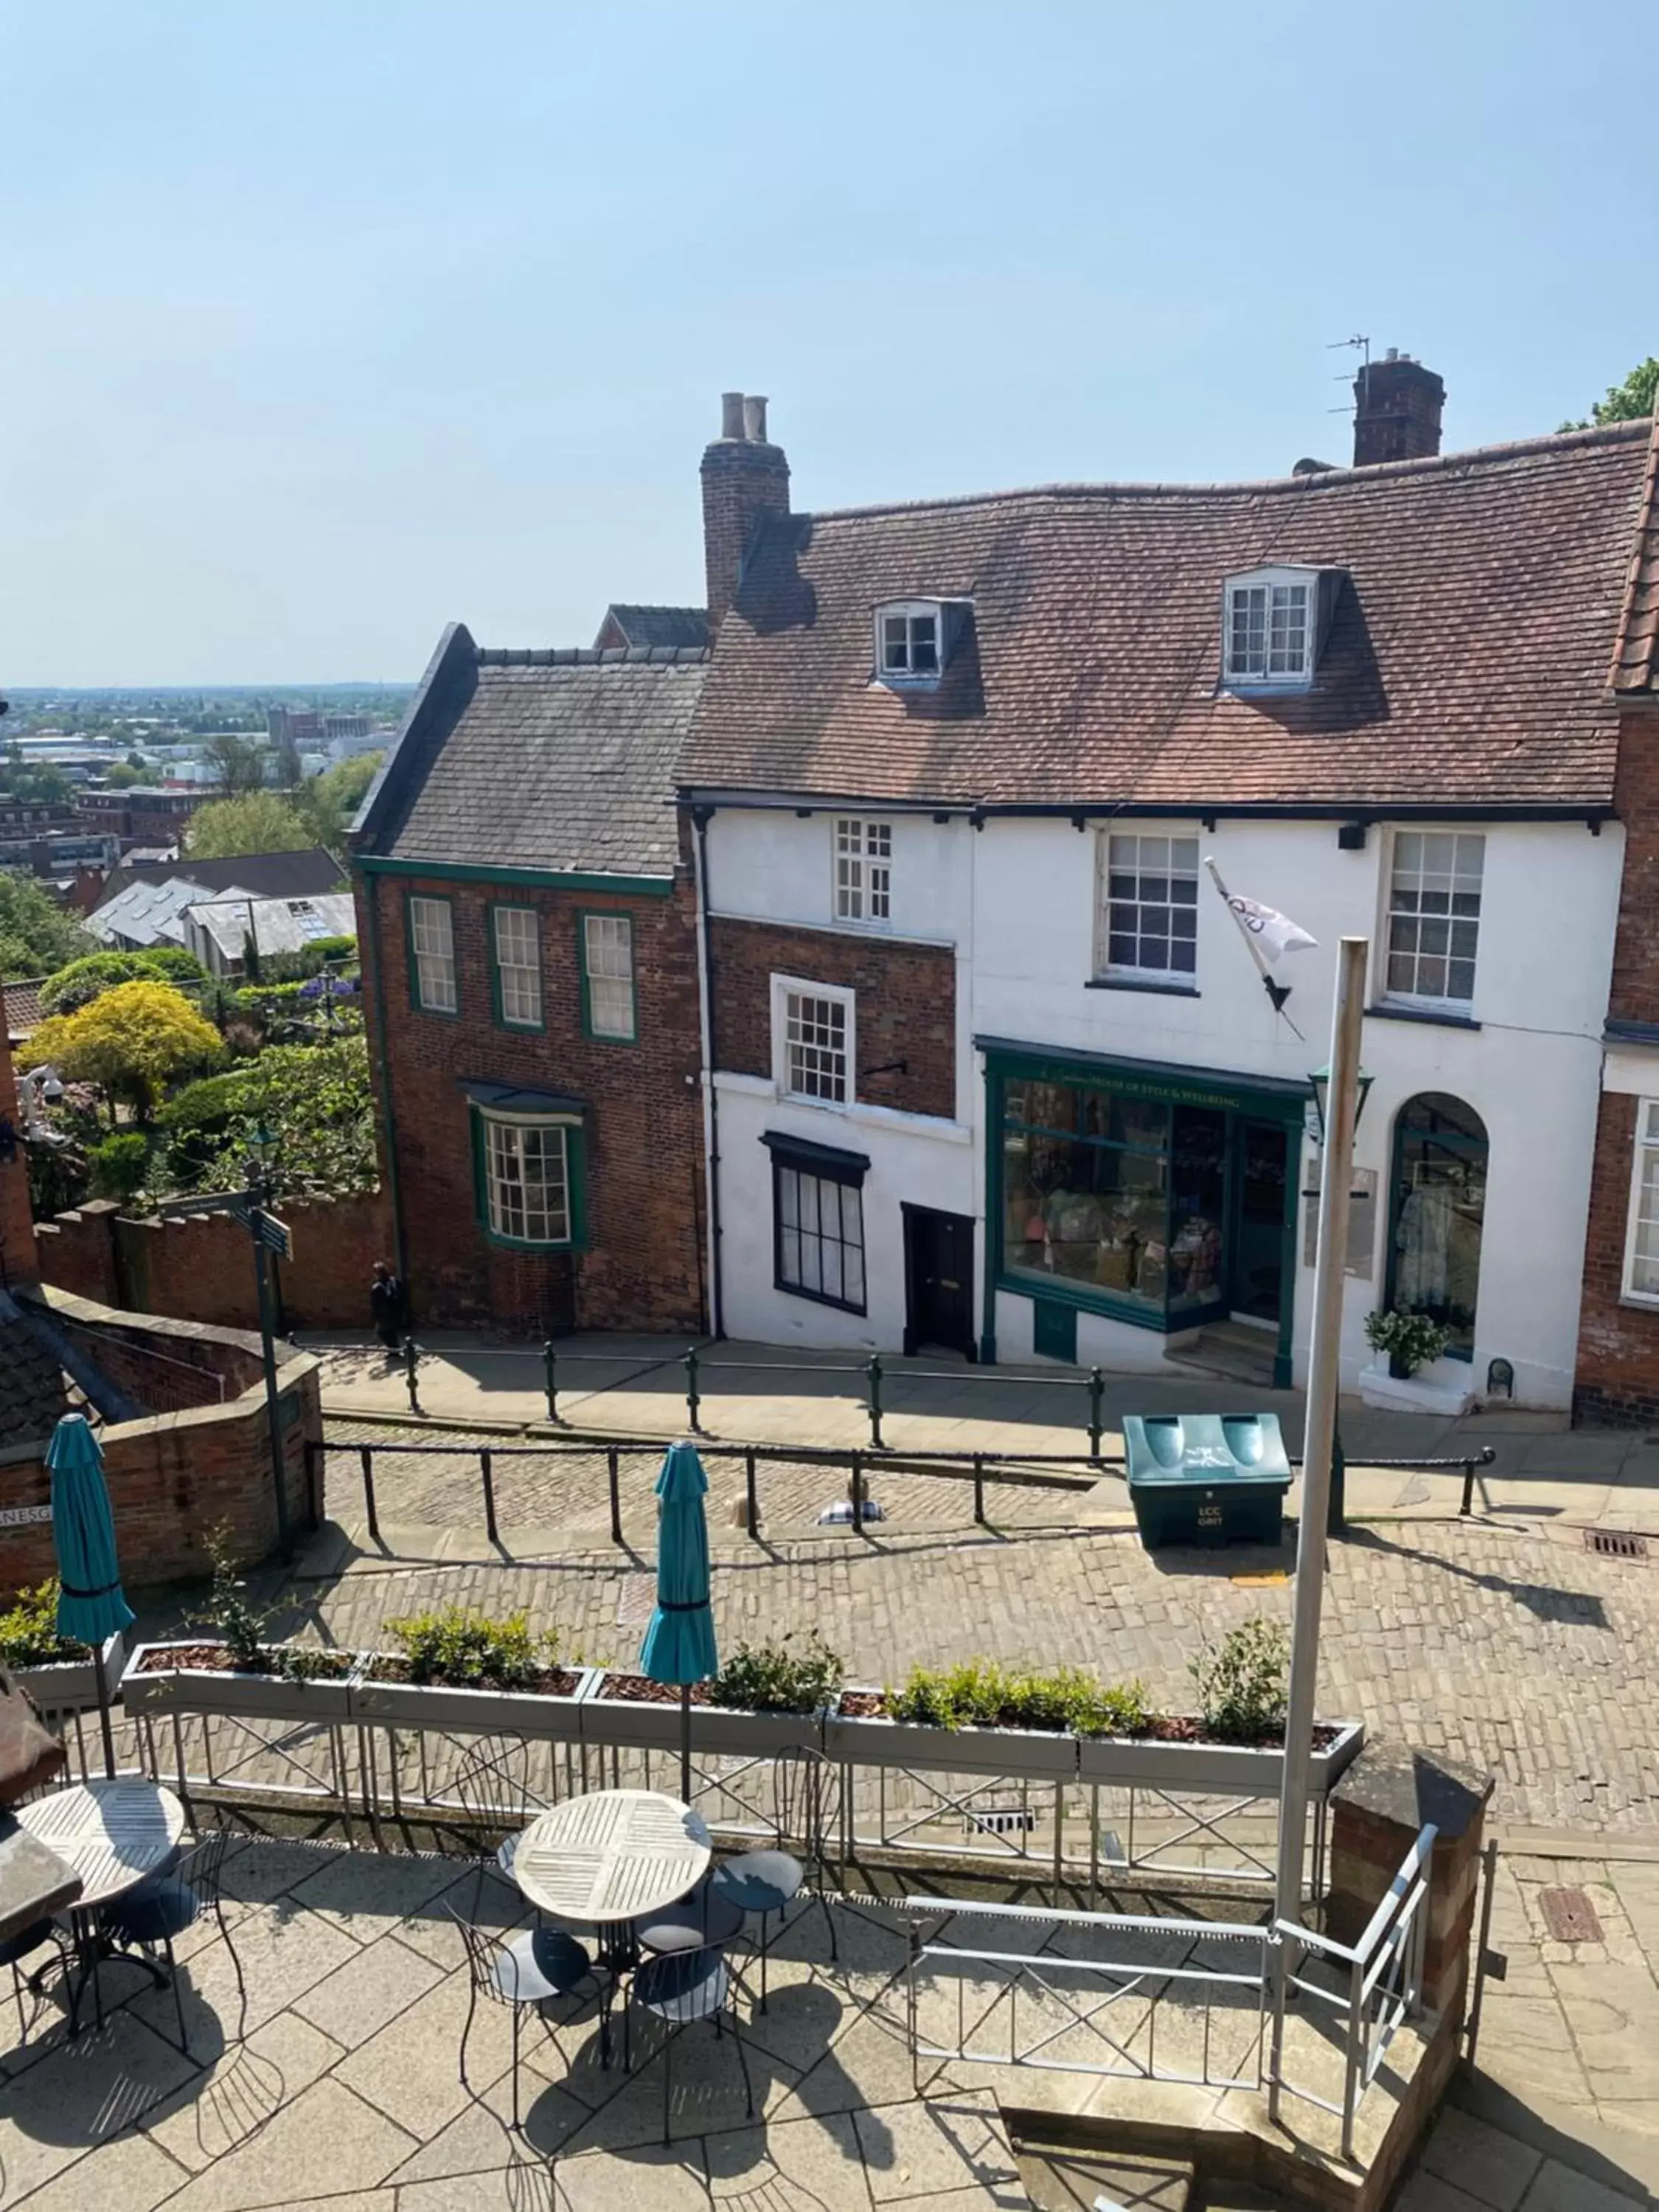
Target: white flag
(1272, 933)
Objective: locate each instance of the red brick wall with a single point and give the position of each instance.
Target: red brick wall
(742, 480)
(202, 1268)
(906, 1006)
(17, 1261)
(643, 1129)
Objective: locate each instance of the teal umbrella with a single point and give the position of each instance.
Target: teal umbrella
(680, 1644)
(90, 1606)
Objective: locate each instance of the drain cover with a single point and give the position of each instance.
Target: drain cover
(1616, 1543)
(1569, 1915)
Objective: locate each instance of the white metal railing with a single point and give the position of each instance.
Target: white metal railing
(1376, 1984)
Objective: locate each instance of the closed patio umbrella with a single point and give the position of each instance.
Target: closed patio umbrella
(680, 1644)
(90, 1606)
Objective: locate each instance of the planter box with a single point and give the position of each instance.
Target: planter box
(1416, 1393)
(644, 1725)
(71, 1686)
(876, 1741)
(469, 1713)
(216, 1690)
(1218, 1770)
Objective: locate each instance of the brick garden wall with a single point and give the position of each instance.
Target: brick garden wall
(201, 1268)
(642, 1264)
(906, 1006)
(17, 1262)
(176, 1476)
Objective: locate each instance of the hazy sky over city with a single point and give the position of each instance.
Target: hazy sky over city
(327, 321)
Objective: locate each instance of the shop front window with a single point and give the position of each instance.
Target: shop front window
(1085, 1190)
(1439, 1194)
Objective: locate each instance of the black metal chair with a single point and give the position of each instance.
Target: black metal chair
(768, 1881)
(703, 1918)
(528, 1969)
(680, 1988)
(493, 1783)
(14, 1949)
(158, 1911)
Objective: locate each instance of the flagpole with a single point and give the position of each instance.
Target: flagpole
(1336, 1174)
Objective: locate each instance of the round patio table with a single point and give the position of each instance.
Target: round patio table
(606, 1859)
(115, 1835)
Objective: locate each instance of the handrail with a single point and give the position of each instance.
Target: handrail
(1392, 1904)
(1150, 1924)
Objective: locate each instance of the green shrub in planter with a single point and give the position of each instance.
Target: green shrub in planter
(28, 1631)
(1408, 1340)
(777, 1676)
(983, 1693)
(464, 1648)
(1243, 1682)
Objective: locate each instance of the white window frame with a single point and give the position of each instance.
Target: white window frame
(505, 1128)
(1389, 992)
(1269, 581)
(612, 928)
(520, 977)
(1647, 1141)
(862, 864)
(786, 987)
(909, 611)
(422, 909)
(1118, 971)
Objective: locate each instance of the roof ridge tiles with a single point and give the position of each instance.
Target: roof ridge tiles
(1311, 480)
(588, 656)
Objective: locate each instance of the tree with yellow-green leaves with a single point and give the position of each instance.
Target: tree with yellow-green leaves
(132, 1042)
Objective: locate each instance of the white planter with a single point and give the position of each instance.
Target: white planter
(71, 1686)
(1452, 1395)
(527, 1713)
(643, 1724)
(218, 1690)
(876, 1741)
(1219, 1769)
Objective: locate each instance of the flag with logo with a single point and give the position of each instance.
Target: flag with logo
(1273, 933)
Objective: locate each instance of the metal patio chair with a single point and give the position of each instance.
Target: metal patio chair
(528, 1969)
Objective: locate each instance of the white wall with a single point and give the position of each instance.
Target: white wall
(1017, 900)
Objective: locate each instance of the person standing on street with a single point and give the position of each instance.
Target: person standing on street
(385, 1301)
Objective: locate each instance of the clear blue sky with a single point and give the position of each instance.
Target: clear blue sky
(326, 321)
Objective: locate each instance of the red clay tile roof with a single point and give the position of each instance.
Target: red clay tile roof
(1467, 663)
(1636, 659)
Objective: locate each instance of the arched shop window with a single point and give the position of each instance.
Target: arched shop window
(1438, 1201)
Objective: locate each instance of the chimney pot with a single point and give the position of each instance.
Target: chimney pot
(731, 415)
(754, 419)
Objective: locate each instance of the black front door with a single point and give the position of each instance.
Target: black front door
(938, 1268)
(1258, 1254)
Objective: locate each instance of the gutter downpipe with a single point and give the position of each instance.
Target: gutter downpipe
(371, 886)
(711, 1126)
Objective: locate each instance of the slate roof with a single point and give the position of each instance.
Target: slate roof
(657, 626)
(551, 761)
(300, 874)
(276, 927)
(1467, 662)
(34, 1392)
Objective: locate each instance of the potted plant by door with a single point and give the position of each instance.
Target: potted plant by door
(1408, 1340)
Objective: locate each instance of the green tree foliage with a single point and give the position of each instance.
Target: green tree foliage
(119, 1164)
(125, 774)
(334, 799)
(37, 783)
(36, 935)
(1629, 402)
(315, 1099)
(235, 763)
(132, 1041)
(83, 980)
(259, 822)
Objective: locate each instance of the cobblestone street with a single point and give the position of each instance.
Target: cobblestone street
(1503, 1645)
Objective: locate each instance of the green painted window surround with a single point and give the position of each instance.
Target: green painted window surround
(550, 880)
(524, 1026)
(417, 998)
(575, 1156)
(584, 962)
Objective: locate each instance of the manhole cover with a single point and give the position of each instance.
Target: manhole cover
(1569, 1915)
(1616, 1543)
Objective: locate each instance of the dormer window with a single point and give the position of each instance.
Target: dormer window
(909, 641)
(1270, 628)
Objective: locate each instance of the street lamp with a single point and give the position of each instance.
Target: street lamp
(268, 1235)
(1320, 1080)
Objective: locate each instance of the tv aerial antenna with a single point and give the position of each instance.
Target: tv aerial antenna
(1362, 346)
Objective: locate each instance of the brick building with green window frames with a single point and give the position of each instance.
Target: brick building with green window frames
(527, 918)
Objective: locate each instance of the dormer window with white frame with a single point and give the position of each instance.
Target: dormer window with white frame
(909, 641)
(1270, 621)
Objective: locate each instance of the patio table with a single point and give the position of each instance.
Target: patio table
(113, 1835)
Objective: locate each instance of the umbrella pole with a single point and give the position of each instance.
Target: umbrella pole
(103, 1709)
(685, 1742)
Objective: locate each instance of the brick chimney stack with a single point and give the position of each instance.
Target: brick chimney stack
(743, 477)
(1396, 410)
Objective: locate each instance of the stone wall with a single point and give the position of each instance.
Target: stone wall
(17, 1262)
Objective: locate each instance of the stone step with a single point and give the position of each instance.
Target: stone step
(1081, 2181)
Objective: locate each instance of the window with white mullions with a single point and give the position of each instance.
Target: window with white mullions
(815, 1047)
(864, 870)
(608, 958)
(1642, 1246)
(907, 643)
(1149, 920)
(1269, 628)
(527, 1181)
(1434, 915)
(431, 944)
(519, 966)
(820, 1237)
